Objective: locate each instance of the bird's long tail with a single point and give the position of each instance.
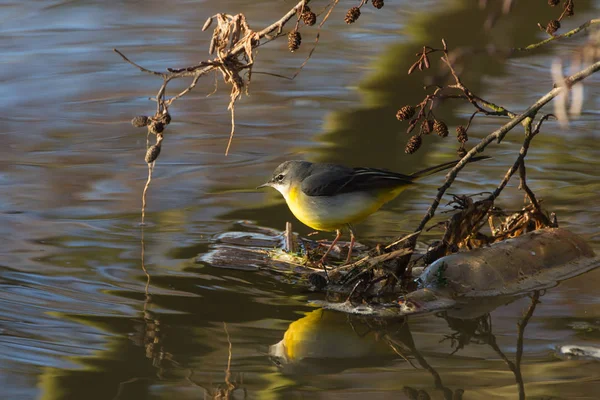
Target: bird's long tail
(441, 167)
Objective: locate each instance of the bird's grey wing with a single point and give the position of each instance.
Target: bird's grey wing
(334, 181)
(368, 179)
(327, 181)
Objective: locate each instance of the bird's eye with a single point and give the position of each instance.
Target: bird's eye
(279, 178)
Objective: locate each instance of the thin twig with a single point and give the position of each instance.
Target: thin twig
(471, 119)
(535, 299)
(394, 346)
(523, 185)
(522, 153)
(287, 78)
(371, 261)
(139, 66)
(310, 53)
(185, 91)
(468, 94)
(391, 245)
(232, 130)
(520, 161)
(150, 168)
(511, 365)
(146, 289)
(572, 32)
(349, 298)
(230, 386)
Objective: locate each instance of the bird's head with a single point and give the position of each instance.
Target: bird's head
(287, 176)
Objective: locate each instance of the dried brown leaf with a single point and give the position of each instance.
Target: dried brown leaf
(207, 24)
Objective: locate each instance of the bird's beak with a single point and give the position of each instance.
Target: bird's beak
(267, 184)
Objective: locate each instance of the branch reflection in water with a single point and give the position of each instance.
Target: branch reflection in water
(150, 336)
(148, 332)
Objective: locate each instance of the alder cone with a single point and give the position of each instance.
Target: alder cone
(352, 15)
(413, 144)
(294, 41)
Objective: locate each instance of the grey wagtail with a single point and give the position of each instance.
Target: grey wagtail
(328, 197)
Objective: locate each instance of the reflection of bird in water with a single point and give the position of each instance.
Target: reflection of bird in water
(314, 343)
(329, 342)
(328, 197)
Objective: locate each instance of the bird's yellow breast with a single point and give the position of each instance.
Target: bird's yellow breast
(328, 213)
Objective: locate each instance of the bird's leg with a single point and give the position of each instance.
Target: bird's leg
(351, 246)
(338, 235)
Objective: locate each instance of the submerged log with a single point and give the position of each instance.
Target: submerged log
(502, 271)
(509, 266)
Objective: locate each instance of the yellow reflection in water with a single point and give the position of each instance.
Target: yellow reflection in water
(326, 334)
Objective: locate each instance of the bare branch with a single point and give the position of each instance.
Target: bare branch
(499, 134)
(572, 32)
(234, 42)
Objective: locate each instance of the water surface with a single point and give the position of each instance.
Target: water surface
(76, 318)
